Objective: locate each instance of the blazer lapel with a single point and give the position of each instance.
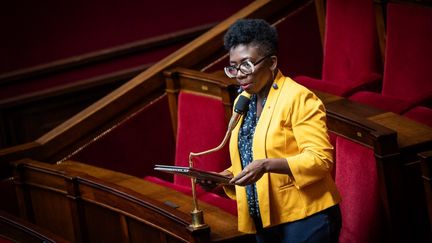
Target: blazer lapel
(260, 143)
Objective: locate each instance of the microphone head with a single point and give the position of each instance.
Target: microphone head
(242, 104)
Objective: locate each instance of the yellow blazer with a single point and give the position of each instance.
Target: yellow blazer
(292, 125)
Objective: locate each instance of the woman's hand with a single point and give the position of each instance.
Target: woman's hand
(207, 185)
(255, 170)
(251, 173)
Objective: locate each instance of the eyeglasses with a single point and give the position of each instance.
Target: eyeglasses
(247, 67)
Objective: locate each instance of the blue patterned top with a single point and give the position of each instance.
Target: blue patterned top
(245, 139)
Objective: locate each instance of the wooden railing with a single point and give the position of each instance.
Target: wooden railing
(82, 203)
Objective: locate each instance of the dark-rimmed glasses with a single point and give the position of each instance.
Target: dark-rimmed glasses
(247, 67)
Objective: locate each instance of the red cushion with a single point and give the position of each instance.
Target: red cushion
(357, 181)
(420, 114)
(322, 85)
(387, 103)
(336, 87)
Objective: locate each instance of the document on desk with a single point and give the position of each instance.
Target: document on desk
(194, 173)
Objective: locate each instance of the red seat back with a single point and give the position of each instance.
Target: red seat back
(357, 181)
(351, 49)
(408, 61)
(201, 126)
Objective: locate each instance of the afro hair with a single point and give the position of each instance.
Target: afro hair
(252, 31)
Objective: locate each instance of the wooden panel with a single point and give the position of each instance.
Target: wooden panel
(426, 175)
(42, 196)
(413, 206)
(52, 212)
(18, 230)
(102, 224)
(94, 195)
(141, 233)
(84, 203)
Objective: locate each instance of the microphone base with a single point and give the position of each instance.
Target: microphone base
(197, 220)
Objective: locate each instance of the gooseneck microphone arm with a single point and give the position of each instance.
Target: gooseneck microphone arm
(239, 109)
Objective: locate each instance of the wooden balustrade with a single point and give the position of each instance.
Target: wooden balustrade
(82, 203)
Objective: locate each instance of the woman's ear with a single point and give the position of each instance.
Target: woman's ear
(274, 63)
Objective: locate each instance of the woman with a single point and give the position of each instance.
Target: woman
(281, 158)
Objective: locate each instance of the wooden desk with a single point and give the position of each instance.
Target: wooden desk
(85, 203)
(411, 135)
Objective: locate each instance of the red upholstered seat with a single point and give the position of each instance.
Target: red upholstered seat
(420, 114)
(357, 181)
(408, 60)
(201, 126)
(351, 50)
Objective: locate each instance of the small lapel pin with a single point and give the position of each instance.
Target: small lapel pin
(275, 86)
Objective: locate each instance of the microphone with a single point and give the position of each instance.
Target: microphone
(240, 108)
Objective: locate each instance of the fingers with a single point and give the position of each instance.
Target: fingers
(227, 173)
(250, 174)
(206, 184)
(245, 177)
